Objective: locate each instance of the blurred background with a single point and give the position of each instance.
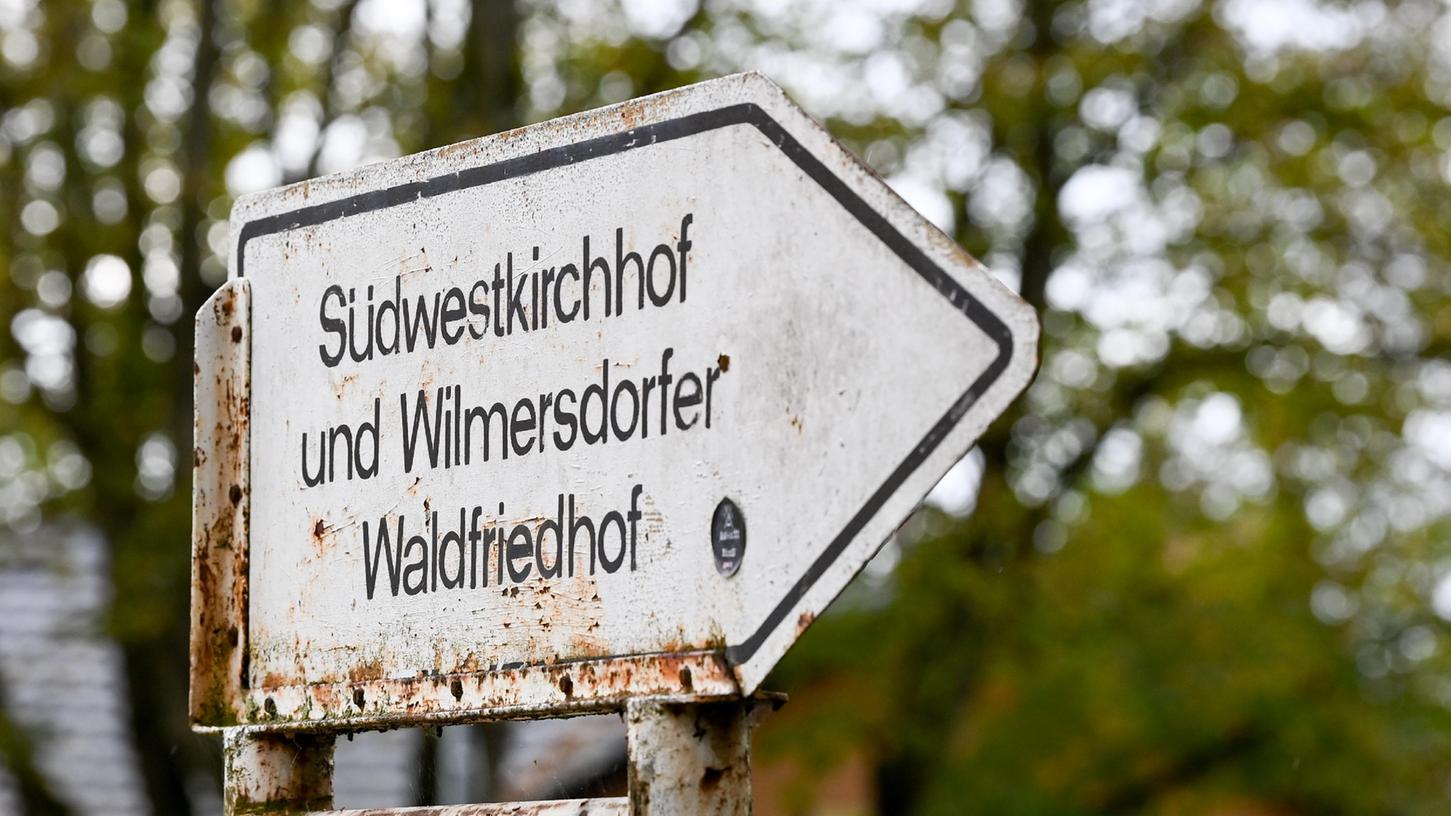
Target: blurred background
(1201, 567)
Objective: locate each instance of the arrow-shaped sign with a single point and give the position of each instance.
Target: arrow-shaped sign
(608, 406)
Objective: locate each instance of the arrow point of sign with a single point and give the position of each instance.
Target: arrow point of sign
(986, 359)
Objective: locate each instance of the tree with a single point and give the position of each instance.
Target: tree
(1187, 583)
(128, 127)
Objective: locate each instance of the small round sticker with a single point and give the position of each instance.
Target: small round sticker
(728, 537)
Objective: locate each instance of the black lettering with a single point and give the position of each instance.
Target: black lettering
(333, 434)
(492, 537)
(665, 378)
(392, 307)
(373, 558)
(432, 431)
(568, 270)
(521, 545)
(683, 247)
(516, 299)
(634, 516)
(479, 310)
(424, 321)
(367, 352)
(308, 479)
(332, 325)
(522, 421)
(575, 525)
(602, 392)
(452, 313)
(610, 565)
(483, 415)
(625, 433)
(498, 291)
(557, 526)
(621, 258)
(368, 430)
(687, 395)
(545, 400)
(661, 251)
(711, 375)
(590, 266)
(541, 313)
(565, 418)
(474, 536)
(646, 386)
(418, 568)
(456, 538)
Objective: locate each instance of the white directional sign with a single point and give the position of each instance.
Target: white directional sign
(611, 405)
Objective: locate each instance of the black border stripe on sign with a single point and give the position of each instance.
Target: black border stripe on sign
(740, 114)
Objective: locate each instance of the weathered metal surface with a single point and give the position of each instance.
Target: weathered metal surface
(689, 759)
(615, 806)
(276, 773)
(803, 302)
(684, 758)
(222, 391)
(560, 689)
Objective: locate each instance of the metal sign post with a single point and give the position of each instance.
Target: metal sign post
(684, 758)
(595, 415)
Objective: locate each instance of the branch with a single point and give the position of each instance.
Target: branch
(342, 37)
(17, 755)
(1188, 767)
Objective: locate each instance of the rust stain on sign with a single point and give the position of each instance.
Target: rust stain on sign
(524, 692)
(219, 510)
(619, 806)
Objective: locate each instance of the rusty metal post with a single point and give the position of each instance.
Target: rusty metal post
(689, 758)
(277, 773)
